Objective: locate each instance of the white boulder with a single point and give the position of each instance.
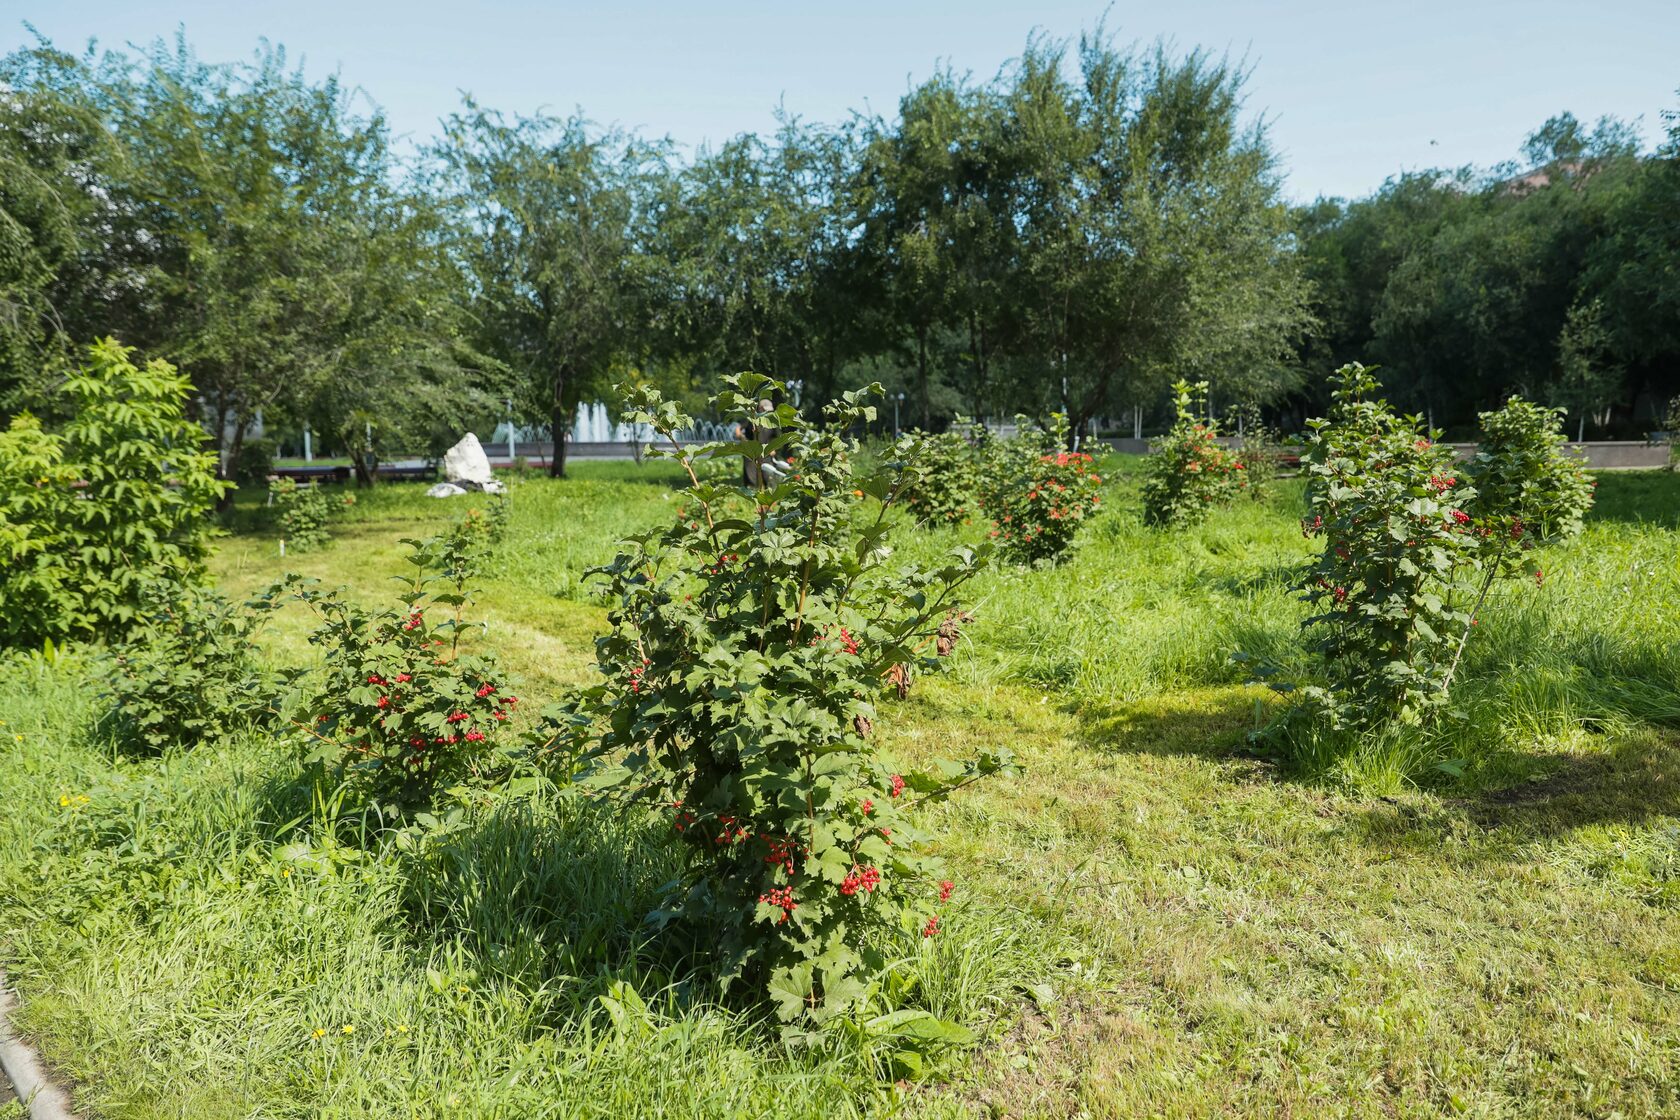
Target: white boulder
(468, 467)
(445, 490)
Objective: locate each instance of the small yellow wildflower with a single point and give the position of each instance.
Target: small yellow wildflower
(402, 1028)
(348, 1028)
(286, 874)
(318, 1032)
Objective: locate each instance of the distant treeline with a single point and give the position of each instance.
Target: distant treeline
(1558, 279)
(1071, 235)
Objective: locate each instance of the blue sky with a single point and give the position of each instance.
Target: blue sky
(1355, 91)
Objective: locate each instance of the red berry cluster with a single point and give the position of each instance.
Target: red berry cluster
(783, 853)
(866, 880)
(782, 897)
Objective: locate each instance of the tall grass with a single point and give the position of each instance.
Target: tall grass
(1147, 922)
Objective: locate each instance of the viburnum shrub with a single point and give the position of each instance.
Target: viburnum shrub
(1189, 472)
(946, 484)
(305, 513)
(1258, 454)
(93, 514)
(40, 596)
(1038, 495)
(480, 532)
(1530, 490)
(401, 710)
(1393, 583)
(1413, 542)
(748, 641)
(498, 519)
(189, 673)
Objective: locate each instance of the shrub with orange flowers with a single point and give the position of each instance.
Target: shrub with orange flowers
(1038, 495)
(1189, 473)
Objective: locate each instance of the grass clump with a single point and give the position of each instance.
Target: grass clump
(1153, 921)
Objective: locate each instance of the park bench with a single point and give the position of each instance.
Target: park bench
(341, 475)
(427, 473)
(312, 474)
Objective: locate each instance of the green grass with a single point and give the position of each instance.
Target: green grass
(1153, 921)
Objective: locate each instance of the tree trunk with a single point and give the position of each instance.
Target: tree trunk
(977, 354)
(230, 463)
(922, 378)
(366, 466)
(560, 426)
(1081, 413)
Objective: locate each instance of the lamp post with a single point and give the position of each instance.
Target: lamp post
(898, 400)
(509, 402)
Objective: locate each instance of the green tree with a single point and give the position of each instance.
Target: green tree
(1152, 235)
(1632, 272)
(53, 146)
(755, 270)
(917, 188)
(249, 223)
(558, 216)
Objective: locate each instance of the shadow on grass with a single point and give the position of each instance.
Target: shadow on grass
(1204, 722)
(1636, 781)
(1271, 577)
(546, 891)
(1641, 497)
(653, 472)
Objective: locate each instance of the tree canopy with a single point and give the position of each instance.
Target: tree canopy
(1074, 234)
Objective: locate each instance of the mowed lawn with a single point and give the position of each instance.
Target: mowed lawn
(1152, 919)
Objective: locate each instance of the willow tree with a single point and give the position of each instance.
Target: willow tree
(53, 145)
(925, 193)
(556, 218)
(753, 258)
(1152, 237)
(250, 202)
